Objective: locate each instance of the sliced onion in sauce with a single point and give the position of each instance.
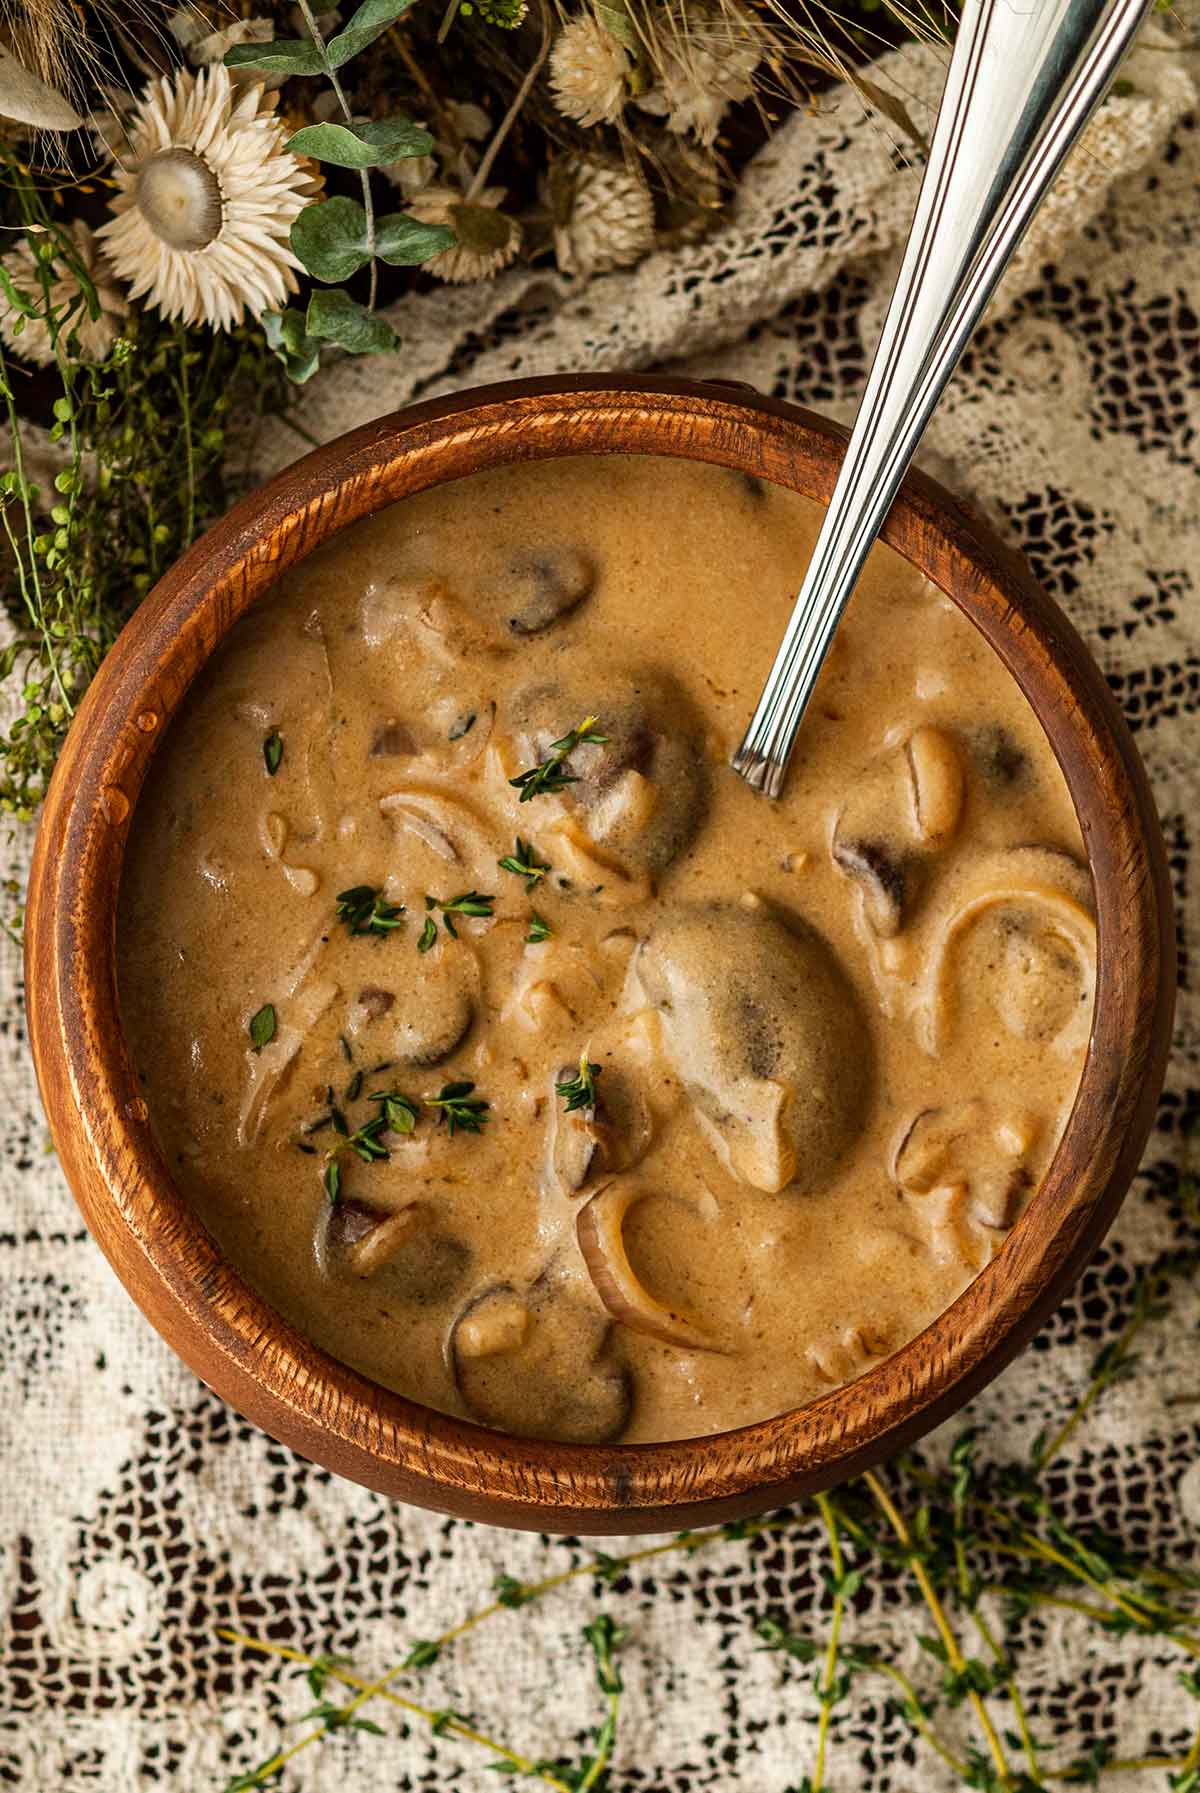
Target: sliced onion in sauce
(600, 1230)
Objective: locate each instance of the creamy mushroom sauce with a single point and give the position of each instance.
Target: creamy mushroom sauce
(837, 1037)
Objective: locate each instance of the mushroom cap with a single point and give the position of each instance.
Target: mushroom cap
(767, 1036)
(551, 1374)
(642, 795)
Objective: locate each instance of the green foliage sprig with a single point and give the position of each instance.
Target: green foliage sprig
(969, 1530)
(86, 544)
(336, 238)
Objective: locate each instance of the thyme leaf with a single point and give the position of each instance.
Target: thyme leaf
(398, 1113)
(460, 1108)
(428, 935)
(262, 1026)
(364, 911)
(539, 929)
(272, 749)
(524, 863)
(549, 774)
(580, 1091)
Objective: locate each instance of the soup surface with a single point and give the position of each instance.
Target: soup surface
(516, 1051)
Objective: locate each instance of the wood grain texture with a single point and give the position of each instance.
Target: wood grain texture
(231, 1338)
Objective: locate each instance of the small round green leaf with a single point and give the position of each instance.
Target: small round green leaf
(330, 238)
(404, 243)
(335, 317)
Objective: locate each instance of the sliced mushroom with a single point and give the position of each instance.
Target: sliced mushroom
(392, 740)
(437, 1018)
(974, 1148)
(407, 1248)
(600, 1229)
(586, 1143)
(641, 795)
(271, 1066)
(1044, 888)
(375, 1001)
(767, 1036)
(537, 588)
(905, 805)
(540, 1364)
(449, 828)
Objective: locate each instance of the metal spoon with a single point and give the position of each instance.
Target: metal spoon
(1024, 79)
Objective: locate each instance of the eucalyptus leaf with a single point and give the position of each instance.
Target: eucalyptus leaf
(370, 21)
(333, 316)
(371, 145)
(402, 242)
(282, 56)
(330, 238)
(285, 334)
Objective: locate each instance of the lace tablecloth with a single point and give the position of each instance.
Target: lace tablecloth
(138, 1514)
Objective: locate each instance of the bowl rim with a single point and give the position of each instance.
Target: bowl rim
(231, 1337)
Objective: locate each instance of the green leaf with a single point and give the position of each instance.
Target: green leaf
(262, 1027)
(273, 752)
(404, 243)
(334, 316)
(370, 21)
(330, 238)
(282, 56)
(285, 334)
(372, 145)
(614, 16)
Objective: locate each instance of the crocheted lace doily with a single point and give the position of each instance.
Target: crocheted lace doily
(138, 1514)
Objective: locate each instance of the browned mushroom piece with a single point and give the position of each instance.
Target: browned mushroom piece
(538, 587)
(434, 1018)
(974, 1147)
(904, 806)
(392, 740)
(639, 797)
(540, 1363)
(600, 1230)
(586, 1143)
(407, 1247)
(767, 1037)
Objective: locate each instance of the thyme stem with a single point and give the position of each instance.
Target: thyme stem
(835, 1629)
(954, 1655)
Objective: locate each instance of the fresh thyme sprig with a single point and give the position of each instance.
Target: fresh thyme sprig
(399, 1113)
(471, 902)
(460, 1108)
(580, 1091)
(550, 775)
(539, 929)
(961, 1533)
(364, 910)
(523, 862)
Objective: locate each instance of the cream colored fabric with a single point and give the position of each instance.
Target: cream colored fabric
(137, 1514)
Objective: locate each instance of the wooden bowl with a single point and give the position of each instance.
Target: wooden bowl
(166, 1259)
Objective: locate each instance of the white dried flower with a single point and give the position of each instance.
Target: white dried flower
(31, 337)
(243, 31)
(588, 72)
(487, 238)
(207, 199)
(603, 215)
(704, 61)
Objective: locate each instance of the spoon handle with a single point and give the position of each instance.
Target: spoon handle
(1024, 78)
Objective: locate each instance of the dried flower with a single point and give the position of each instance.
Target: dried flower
(31, 337)
(589, 72)
(206, 201)
(212, 48)
(704, 56)
(487, 238)
(603, 215)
